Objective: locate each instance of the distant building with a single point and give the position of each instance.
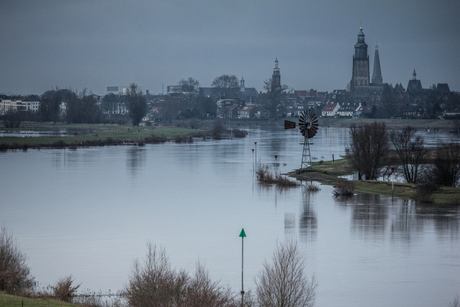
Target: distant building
(117, 90)
(248, 112)
(276, 76)
(414, 86)
(360, 74)
(330, 109)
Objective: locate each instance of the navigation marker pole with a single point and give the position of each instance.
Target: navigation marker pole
(242, 235)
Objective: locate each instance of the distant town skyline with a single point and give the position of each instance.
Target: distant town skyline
(95, 44)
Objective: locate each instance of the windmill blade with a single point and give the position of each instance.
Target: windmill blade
(289, 125)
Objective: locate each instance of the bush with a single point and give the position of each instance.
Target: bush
(63, 290)
(344, 188)
(311, 187)
(239, 133)
(15, 275)
(155, 284)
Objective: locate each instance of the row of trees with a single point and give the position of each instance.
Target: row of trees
(282, 282)
(83, 107)
(369, 153)
(225, 87)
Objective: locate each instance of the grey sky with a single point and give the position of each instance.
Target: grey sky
(93, 44)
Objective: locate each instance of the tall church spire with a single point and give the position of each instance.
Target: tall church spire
(377, 73)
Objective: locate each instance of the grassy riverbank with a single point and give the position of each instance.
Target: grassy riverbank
(91, 135)
(13, 300)
(329, 173)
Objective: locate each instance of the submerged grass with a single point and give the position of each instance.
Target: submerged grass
(92, 135)
(329, 173)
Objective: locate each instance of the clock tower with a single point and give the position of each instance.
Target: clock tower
(360, 76)
(276, 77)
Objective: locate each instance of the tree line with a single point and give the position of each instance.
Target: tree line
(373, 147)
(153, 282)
(84, 107)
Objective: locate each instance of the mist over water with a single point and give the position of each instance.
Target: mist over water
(90, 212)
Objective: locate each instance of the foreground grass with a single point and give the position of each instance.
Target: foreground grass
(329, 173)
(19, 301)
(77, 134)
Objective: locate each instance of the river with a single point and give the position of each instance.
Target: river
(90, 212)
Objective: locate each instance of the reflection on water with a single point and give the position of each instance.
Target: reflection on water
(308, 223)
(92, 210)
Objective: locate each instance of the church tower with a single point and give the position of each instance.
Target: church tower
(360, 75)
(276, 77)
(377, 72)
(242, 86)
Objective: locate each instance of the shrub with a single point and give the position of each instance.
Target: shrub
(63, 290)
(312, 187)
(264, 175)
(284, 182)
(155, 283)
(344, 188)
(15, 275)
(239, 133)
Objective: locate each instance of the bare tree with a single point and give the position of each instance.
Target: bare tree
(446, 166)
(15, 275)
(410, 150)
(137, 104)
(283, 282)
(109, 103)
(189, 88)
(226, 86)
(202, 292)
(455, 302)
(368, 151)
(155, 284)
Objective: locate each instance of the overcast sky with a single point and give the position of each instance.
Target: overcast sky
(95, 44)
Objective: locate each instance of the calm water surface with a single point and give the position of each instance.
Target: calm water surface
(90, 212)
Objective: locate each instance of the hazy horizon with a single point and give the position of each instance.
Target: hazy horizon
(95, 44)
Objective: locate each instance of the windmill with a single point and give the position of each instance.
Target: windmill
(308, 126)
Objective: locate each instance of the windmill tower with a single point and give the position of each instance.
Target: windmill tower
(308, 126)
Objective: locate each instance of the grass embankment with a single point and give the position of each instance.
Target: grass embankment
(91, 135)
(329, 173)
(20, 301)
(393, 123)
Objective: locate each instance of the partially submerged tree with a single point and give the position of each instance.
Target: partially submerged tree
(283, 282)
(410, 150)
(15, 277)
(368, 150)
(137, 104)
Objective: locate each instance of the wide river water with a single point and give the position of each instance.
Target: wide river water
(90, 212)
